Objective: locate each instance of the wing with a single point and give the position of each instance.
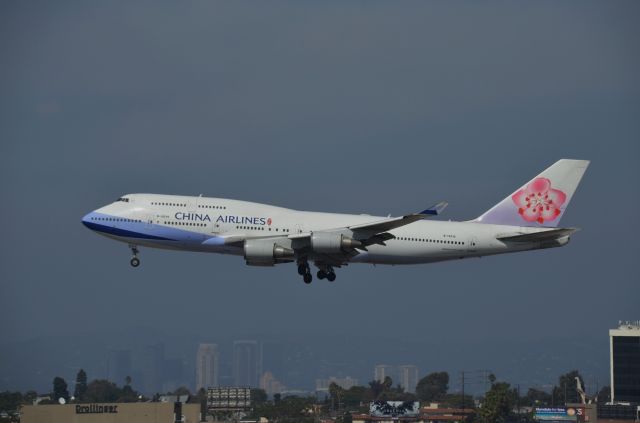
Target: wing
(350, 239)
(359, 237)
(396, 222)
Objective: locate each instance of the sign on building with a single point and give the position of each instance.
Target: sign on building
(559, 414)
(394, 408)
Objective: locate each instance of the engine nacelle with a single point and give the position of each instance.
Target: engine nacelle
(259, 252)
(327, 243)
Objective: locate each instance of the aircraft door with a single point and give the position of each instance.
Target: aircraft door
(472, 243)
(212, 215)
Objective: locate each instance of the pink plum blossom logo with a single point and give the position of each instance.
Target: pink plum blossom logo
(538, 201)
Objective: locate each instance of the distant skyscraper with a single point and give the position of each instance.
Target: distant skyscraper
(408, 377)
(270, 384)
(152, 366)
(381, 371)
(273, 358)
(624, 344)
(247, 363)
(207, 366)
(119, 366)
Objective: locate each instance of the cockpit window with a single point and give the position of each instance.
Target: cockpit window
(126, 200)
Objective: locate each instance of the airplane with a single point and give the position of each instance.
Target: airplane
(267, 235)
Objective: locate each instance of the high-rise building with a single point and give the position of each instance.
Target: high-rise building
(381, 371)
(624, 344)
(207, 366)
(247, 363)
(408, 377)
(270, 384)
(152, 365)
(273, 358)
(119, 366)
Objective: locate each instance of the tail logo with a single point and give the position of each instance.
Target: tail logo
(538, 201)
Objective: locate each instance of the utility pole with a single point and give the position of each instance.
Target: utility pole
(463, 389)
(519, 402)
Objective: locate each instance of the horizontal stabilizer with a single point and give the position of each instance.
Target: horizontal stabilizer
(539, 236)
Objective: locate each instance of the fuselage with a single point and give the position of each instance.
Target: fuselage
(208, 224)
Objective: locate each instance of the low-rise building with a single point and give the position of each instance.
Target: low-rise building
(137, 412)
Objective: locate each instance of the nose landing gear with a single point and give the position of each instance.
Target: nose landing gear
(135, 261)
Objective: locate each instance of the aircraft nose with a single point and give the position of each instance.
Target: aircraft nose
(86, 219)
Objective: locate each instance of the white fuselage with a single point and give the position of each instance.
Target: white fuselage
(211, 224)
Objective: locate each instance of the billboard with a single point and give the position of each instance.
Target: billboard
(394, 408)
(559, 414)
(228, 398)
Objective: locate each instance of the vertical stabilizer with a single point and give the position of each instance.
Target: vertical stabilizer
(541, 201)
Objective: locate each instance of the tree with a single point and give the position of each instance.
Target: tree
(183, 390)
(433, 387)
(10, 401)
(566, 391)
(258, 396)
(375, 386)
(355, 395)
(336, 393)
(60, 389)
(387, 383)
(497, 404)
(604, 395)
(81, 385)
(102, 390)
(537, 398)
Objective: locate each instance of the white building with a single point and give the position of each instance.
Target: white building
(382, 371)
(247, 363)
(207, 366)
(408, 377)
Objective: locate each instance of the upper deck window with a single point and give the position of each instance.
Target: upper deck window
(125, 199)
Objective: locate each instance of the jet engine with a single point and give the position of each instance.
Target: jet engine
(328, 243)
(258, 252)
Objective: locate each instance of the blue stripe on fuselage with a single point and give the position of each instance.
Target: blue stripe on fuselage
(121, 232)
(133, 227)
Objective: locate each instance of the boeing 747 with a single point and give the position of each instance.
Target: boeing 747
(267, 235)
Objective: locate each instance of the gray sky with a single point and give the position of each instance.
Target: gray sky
(363, 106)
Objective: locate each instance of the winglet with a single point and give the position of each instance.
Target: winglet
(435, 209)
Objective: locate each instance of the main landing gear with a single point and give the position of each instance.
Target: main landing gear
(327, 273)
(305, 272)
(135, 261)
(324, 272)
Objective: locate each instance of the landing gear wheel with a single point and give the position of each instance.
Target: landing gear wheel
(321, 274)
(135, 262)
(302, 269)
(331, 277)
(307, 278)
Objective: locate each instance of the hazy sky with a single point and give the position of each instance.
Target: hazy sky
(362, 106)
